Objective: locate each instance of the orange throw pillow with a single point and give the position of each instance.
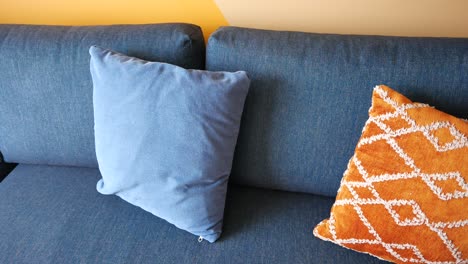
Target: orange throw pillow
(404, 196)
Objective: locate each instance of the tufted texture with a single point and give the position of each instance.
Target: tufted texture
(404, 195)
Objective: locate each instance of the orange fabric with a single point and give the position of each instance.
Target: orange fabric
(404, 196)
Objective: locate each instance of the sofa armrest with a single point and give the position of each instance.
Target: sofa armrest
(5, 168)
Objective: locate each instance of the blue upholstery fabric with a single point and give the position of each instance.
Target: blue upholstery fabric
(54, 215)
(46, 111)
(165, 137)
(310, 94)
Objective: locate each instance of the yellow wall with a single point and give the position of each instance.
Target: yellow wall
(92, 12)
(448, 18)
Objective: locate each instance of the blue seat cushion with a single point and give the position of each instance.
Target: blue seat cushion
(55, 215)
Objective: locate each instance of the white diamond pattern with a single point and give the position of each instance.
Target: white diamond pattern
(389, 135)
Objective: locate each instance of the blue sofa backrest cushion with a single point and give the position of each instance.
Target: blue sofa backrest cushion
(310, 94)
(46, 106)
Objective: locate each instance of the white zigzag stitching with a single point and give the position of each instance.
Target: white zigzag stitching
(459, 141)
(420, 218)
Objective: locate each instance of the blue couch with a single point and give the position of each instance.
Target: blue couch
(307, 104)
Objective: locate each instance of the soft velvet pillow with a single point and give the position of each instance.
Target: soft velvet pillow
(404, 196)
(165, 137)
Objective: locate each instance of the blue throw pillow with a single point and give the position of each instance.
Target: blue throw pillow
(165, 137)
